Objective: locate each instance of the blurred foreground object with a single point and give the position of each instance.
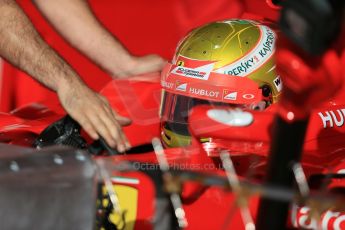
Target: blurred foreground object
(312, 24)
(312, 74)
(49, 189)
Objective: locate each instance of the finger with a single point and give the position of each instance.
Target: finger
(123, 121)
(86, 124)
(89, 129)
(118, 121)
(102, 129)
(115, 130)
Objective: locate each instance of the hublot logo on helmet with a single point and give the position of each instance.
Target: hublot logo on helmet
(203, 92)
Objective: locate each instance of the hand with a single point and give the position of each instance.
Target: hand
(93, 112)
(140, 65)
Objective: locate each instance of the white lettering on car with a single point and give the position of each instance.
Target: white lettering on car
(300, 218)
(329, 118)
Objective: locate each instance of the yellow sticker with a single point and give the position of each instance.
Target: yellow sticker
(128, 200)
(180, 63)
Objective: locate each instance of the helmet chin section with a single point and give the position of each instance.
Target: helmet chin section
(172, 139)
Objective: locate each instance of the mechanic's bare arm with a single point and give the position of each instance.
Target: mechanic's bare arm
(76, 22)
(21, 45)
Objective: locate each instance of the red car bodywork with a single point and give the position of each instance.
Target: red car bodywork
(206, 207)
(249, 147)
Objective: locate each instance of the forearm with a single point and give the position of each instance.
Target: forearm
(22, 46)
(76, 22)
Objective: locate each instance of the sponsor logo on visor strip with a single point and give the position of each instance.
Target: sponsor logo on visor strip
(202, 72)
(203, 92)
(248, 96)
(253, 60)
(230, 96)
(168, 85)
(227, 94)
(181, 87)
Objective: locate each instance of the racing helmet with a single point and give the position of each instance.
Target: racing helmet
(228, 63)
